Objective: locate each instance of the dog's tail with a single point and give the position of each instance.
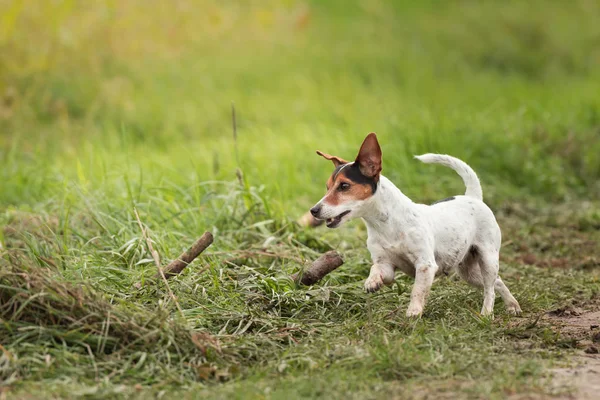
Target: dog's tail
(466, 173)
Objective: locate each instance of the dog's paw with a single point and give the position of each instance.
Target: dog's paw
(487, 316)
(373, 283)
(414, 311)
(513, 309)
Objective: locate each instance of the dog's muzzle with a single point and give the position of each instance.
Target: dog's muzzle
(332, 222)
(335, 221)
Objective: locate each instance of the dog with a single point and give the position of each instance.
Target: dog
(456, 234)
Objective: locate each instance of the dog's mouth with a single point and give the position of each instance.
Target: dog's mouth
(335, 221)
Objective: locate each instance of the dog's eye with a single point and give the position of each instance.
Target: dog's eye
(343, 186)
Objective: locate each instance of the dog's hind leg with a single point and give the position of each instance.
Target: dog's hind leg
(470, 271)
(488, 264)
(512, 305)
(480, 269)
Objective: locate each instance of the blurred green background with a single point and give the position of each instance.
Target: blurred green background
(94, 91)
(107, 106)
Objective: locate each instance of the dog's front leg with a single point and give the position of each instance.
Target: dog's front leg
(424, 275)
(381, 274)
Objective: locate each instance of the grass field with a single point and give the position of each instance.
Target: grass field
(108, 107)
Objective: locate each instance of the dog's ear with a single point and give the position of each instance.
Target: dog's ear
(369, 157)
(336, 160)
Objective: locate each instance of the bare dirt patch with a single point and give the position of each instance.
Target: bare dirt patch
(581, 378)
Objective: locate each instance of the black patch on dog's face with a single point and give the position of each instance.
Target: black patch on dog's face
(352, 172)
(441, 201)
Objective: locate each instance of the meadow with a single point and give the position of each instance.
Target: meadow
(110, 107)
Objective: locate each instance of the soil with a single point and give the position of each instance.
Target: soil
(581, 378)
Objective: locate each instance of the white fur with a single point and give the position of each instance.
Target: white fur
(461, 167)
(425, 241)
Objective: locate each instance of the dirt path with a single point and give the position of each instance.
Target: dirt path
(581, 379)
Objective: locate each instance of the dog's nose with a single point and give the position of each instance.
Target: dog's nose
(315, 210)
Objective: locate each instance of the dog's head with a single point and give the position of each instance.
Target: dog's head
(350, 185)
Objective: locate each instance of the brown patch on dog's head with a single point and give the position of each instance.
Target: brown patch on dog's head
(347, 183)
(354, 181)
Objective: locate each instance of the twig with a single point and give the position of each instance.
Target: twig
(319, 268)
(157, 261)
(177, 265)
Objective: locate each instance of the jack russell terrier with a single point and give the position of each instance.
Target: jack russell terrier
(456, 234)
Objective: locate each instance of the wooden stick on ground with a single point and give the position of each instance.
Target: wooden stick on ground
(178, 265)
(319, 268)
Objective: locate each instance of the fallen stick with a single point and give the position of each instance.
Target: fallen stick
(319, 268)
(179, 264)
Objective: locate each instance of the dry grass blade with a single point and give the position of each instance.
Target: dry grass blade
(156, 259)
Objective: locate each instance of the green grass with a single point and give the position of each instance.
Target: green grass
(105, 109)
